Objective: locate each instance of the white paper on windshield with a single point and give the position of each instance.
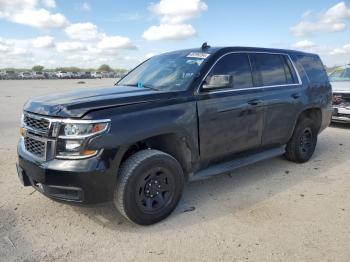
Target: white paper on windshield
(198, 55)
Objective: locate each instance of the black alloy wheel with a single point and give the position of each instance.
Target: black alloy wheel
(149, 186)
(306, 141)
(302, 144)
(155, 190)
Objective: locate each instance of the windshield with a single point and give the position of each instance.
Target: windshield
(171, 72)
(341, 74)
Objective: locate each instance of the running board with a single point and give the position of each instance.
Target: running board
(229, 166)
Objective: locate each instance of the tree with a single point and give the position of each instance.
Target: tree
(37, 68)
(104, 68)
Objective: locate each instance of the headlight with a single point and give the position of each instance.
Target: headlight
(74, 136)
(71, 129)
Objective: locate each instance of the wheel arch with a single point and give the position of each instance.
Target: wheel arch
(313, 113)
(175, 144)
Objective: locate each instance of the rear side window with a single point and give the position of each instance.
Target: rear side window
(314, 68)
(236, 65)
(272, 69)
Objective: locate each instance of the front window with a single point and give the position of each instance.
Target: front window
(341, 74)
(235, 68)
(170, 72)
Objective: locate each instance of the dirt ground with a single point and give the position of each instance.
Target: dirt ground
(271, 211)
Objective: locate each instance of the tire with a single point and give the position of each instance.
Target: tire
(302, 144)
(149, 186)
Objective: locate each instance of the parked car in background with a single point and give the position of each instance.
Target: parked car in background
(70, 75)
(25, 75)
(9, 74)
(38, 75)
(2, 74)
(85, 75)
(62, 75)
(340, 80)
(96, 75)
(180, 116)
(120, 74)
(75, 75)
(107, 74)
(49, 75)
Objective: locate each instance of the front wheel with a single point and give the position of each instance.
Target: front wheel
(149, 186)
(301, 146)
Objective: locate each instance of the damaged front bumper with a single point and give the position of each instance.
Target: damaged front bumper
(341, 113)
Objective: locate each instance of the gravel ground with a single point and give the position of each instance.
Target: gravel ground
(271, 211)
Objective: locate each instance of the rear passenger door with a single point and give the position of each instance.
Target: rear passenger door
(230, 117)
(276, 76)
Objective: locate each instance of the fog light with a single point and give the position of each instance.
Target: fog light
(73, 145)
(73, 149)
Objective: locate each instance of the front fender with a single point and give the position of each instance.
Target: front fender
(131, 126)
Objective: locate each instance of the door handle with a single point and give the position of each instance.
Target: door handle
(254, 102)
(296, 95)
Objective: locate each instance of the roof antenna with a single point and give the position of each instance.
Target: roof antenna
(205, 46)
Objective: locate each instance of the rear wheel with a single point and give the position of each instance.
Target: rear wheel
(149, 186)
(302, 145)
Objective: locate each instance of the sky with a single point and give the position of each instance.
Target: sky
(88, 33)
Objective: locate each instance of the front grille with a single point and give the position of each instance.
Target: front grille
(36, 123)
(342, 97)
(35, 147)
(346, 97)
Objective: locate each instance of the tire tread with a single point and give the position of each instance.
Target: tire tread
(291, 153)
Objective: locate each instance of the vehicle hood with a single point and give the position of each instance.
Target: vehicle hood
(77, 103)
(341, 86)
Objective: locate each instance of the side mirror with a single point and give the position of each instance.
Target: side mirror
(218, 81)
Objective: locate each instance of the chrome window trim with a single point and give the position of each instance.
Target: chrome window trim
(198, 91)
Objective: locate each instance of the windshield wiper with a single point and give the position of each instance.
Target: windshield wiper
(143, 86)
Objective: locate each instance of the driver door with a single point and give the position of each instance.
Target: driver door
(231, 115)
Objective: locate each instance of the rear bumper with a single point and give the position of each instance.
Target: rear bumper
(85, 181)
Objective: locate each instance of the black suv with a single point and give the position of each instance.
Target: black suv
(180, 116)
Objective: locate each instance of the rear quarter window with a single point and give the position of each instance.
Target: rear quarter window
(314, 68)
